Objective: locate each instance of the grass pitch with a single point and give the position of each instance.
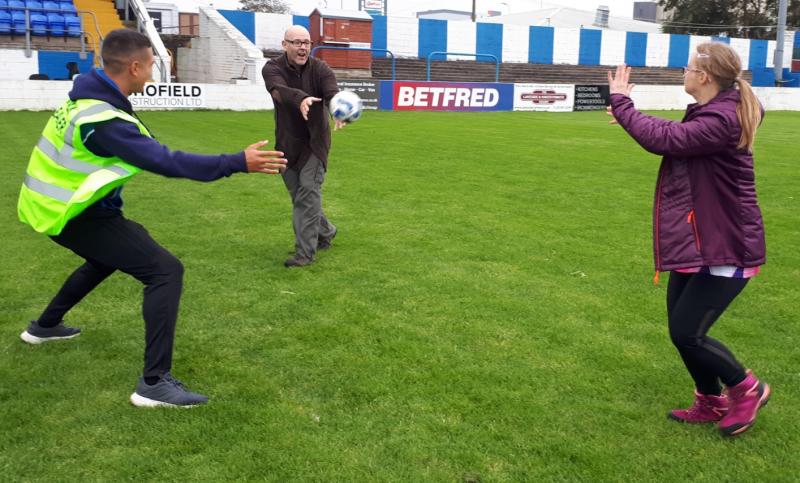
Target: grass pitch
(486, 314)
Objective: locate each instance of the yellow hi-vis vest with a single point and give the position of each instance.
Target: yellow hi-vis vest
(63, 177)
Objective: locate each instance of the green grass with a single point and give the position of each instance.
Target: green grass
(486, 313)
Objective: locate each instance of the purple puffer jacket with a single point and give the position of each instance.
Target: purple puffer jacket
(705, 210)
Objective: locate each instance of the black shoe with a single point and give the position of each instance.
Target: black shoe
(325, 243)
(36, 334)
(297, 261)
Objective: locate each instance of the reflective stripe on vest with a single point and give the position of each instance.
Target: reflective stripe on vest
(60, 183)
(47, 189)
(64, 158)
(90, 111)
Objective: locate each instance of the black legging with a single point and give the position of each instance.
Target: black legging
(694, 302)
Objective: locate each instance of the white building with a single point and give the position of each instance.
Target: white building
(445, 14)
(566, 17)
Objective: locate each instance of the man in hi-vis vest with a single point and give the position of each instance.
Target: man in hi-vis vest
(91, 146)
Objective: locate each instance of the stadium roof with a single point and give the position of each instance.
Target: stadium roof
(566, 17)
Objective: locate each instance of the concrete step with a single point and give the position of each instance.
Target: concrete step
(471, 71)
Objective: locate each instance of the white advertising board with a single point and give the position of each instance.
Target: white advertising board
(544, 97)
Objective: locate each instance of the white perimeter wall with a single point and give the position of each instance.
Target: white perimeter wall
(515, 43)
(15, 66)
(566, 46)
(402, 36)
(612, 47)
(461, 38)
(48, 95)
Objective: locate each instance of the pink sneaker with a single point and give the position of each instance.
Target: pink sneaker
(706, 409)
(746, 398)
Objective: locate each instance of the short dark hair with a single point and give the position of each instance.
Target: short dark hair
(120, 45)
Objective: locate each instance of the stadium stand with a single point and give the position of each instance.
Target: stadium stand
(103, 10)
(416, 69)
(513, 72)
(44, 18)
(44, 36)
(5, 20)
(104, 15)
(38, 38)
(529, 53)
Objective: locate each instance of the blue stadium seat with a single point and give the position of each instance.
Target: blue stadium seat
(56, 23)
(38, 23)
(73, 24)
(37, 18)
(3, 3)
(5, 22)
(67, 7)
(18, 22)
(53, 7)
(16, 8)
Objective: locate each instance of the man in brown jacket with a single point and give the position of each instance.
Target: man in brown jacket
(301, 88)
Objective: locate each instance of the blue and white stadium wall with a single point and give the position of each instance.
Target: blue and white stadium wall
(51, 63)
(412, 37)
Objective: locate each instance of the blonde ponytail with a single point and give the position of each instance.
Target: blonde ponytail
(749, 113)
(722, 63)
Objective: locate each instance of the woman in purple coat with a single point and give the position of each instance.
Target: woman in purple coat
(707, 226)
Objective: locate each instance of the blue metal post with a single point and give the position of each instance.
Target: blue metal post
(496, 62)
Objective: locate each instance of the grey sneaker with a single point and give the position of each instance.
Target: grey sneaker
(297, 261)
(35, 334)
(167, 392)
(325, 243)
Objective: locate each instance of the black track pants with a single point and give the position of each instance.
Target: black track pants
(109, 242)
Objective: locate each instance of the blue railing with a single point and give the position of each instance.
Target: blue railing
(496, 62)
(356, 49)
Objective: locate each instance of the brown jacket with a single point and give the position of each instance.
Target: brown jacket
(288, 86)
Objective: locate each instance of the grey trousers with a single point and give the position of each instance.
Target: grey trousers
(309, 222)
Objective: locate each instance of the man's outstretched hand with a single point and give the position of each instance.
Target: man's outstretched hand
(268, 162)
(305, 105)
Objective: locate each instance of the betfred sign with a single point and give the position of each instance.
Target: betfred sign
(446, 97)
(544, 97)
(449, 96)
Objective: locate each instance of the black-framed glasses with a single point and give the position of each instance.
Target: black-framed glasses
(298, 43)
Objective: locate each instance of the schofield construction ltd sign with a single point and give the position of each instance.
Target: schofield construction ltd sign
(169, 96)
(544, 97)
(446, 96)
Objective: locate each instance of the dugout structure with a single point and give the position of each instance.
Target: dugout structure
(347, 29)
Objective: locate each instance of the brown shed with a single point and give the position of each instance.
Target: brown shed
(342, 28)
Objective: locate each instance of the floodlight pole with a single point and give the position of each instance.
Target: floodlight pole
(474, 17)
(779, 43)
